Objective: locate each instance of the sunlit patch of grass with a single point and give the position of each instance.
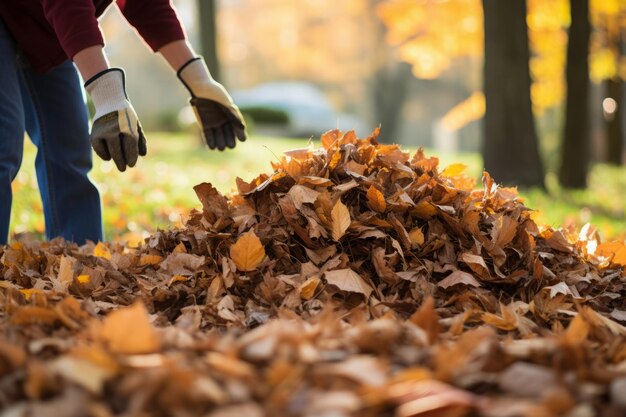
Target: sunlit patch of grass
(158, 193)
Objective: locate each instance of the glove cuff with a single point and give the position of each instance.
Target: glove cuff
(194, 74)
(108, 91)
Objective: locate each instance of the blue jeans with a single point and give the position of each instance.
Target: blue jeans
(51, 109)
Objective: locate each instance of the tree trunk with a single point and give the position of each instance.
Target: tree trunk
(390, 93)
(208, 35)
(576, 145)
(510, 146)
(389, 86)
(615, 134)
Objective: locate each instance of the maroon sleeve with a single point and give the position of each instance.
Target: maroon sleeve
(74, 23)
(155, 20)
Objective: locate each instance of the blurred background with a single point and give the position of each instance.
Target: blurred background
(531, 90)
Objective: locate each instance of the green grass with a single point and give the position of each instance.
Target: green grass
(159, 191)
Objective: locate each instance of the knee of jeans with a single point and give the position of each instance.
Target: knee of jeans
(11, 152)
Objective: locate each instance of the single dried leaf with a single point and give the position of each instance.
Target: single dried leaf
(83, 278)
(376, 199)
(453, 170)
(128, 330)
(475, 262)
(308, 287)
(340, 218)
(66, 270)
(101, 251)
(348, 280)
(577, 331)
(427, 318)
(301, 194)
(424, 210)
(34, 315)
(329, 139)
(458, 277)
(28, 292)
(145, 260)
(504, 230)
(416, 236)
(248, 252)
(616, 251)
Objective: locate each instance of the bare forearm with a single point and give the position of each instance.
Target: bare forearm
(177, 53)
(91, 61)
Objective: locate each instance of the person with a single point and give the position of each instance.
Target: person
(42, 44)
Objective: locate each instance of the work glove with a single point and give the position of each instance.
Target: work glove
(220, 119)
(116, 133)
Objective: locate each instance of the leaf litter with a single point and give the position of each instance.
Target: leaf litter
(354, 280)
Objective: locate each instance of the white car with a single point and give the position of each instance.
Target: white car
(308, 112)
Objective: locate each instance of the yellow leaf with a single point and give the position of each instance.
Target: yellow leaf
(416, 236)
(348, 280)
(150, 260)
(614, 250)
(28, 292)
(340, 220)
(307, 289)
(330, 138)
(376, 199)
(101, 251)
(83, 279)
(577, 331)
(128, 330)
(177, 278)
(180, 248)
(424, 210)
(247, 252)
(454, 170)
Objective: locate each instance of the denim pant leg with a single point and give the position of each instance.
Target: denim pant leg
(11, 127)
(57, 123)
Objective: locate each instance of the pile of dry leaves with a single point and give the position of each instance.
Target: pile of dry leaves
(355, 280)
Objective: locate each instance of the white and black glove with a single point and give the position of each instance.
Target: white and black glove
(116, 133)
(220, 119)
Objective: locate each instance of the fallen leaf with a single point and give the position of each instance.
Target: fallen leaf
(128, 330)
(308, 287)
(340, 220)
(458, 277)
(376, 199)
(83, 279)
(101, 251)
(416, 236)
(248, 252)
(348, 280)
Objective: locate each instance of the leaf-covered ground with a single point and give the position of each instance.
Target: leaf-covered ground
(355, 280)
(137, 202)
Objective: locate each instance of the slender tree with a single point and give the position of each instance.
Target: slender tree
(575, 148)
(510, 145)
(614, 90)
(390, 82)
(208, 35)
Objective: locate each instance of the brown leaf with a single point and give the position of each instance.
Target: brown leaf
(307, 289)
(458, 277)
(179, 263)
(128, 330)
(248, 252)
(348, 280)
(416, 236)
(66, 271)
(376, 199)
(340, 217)
(427, 318)
(301, 194)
